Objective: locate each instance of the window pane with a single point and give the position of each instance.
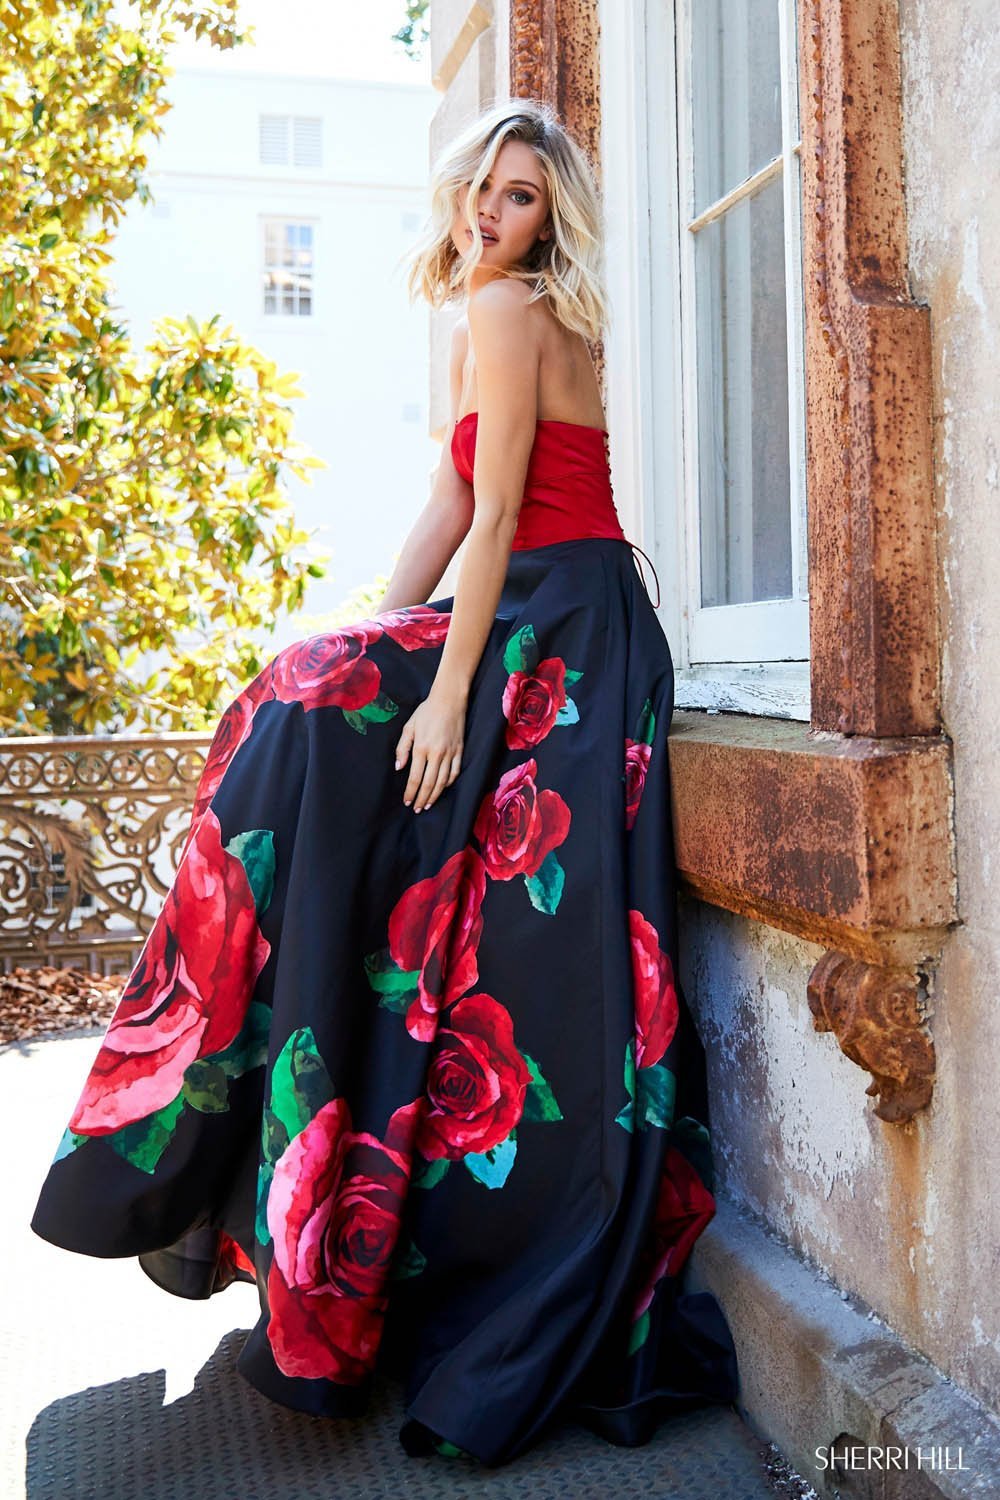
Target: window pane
(736, 89)
(743, 470)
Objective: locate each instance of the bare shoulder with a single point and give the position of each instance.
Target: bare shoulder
(501, 320)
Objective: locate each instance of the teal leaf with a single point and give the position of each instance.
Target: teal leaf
(144, 1142)
(68, 1142)
(568, 714)
(640, 1333)
(521, 651)
(545, 887)
(539, 1100)
(626, 1116)
(572, 676)
(428, 1174)
(646, 724)
(656, 1090)
(630, 1067)
(255, 850)
(274, 1140)
(492, 1167)
(409, 1262)
(692, 1139)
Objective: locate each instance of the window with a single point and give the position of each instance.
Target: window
(291, 141)
(742, 348)
(288, 268)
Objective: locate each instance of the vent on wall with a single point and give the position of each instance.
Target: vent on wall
(291, 140)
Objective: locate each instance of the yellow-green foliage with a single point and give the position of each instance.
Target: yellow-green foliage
(143, 505)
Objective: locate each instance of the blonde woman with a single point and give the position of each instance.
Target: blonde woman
(406, 1046)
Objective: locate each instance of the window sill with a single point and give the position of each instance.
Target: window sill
(844, 840)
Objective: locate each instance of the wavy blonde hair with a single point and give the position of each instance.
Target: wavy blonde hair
(568, 267)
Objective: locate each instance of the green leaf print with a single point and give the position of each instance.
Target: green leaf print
(640, 1333)
(377, 711)
(539, 1100)
(656, 1090)
(572, 676)
(545, 887)
(645, 724)
(206, 1087)
(626, 1116)
(521, 652)
(144, 1142)
(255, 850)
(429, 1173)
(492, 1168)
(300, 1086)
(409, 1261)
(69, 1141)
(394, 986)
(248, 1049)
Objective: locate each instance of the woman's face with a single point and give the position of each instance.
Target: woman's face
(513, 209)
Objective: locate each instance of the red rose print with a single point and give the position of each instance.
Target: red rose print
(334, 1211)
(531, 701)
(476, 1081)
(330, 669)
(188, 993)
(517, 825)
(435, 927)
(684, 1207)
(637, 753)
(232, 1259)
(232, 729)
(418, 626)
(655, 994)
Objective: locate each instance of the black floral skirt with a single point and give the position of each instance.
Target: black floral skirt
(427, 1079)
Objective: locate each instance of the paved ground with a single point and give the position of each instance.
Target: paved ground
(113, 1390)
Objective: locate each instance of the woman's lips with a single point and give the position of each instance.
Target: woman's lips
(487, 239)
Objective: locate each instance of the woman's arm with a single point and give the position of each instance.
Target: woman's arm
(507, 359)
(435, 535)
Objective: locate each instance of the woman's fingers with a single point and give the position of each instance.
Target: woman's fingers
(429, 783)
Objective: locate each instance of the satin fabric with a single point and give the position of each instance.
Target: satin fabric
(429, 1080)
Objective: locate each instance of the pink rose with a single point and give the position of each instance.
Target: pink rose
(188, 994)
(334, 1210)
(637, 754)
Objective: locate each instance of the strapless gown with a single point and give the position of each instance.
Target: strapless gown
(429, 1080)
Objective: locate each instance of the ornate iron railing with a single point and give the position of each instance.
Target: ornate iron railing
(91, 828)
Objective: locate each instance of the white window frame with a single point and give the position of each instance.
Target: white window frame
(296, 319)
(750, 658)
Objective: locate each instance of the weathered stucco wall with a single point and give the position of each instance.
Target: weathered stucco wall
(907, 1218)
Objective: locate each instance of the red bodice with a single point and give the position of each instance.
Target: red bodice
(567, 486)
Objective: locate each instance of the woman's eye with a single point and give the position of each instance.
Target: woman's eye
(526, 196)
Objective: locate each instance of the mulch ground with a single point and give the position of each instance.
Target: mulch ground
(37, 1002)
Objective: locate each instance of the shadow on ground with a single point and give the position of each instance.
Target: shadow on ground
(224, 1441)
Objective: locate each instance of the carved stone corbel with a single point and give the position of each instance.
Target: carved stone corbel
(878, 1016)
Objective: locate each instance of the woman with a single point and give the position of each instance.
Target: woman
(405, 1045)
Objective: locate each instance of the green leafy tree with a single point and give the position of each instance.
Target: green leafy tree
(144, 517)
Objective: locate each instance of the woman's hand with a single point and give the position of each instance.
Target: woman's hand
(433, 737)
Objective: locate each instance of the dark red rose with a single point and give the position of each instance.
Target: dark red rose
(517, 825)
(655, 993)
(475, 1083)
(684, 1207)
(531, 701)
(232, 1259)
(415, 627)
(637, 754)
(334, 1210)
(435, 927)
(329, 670)
(188, 994)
